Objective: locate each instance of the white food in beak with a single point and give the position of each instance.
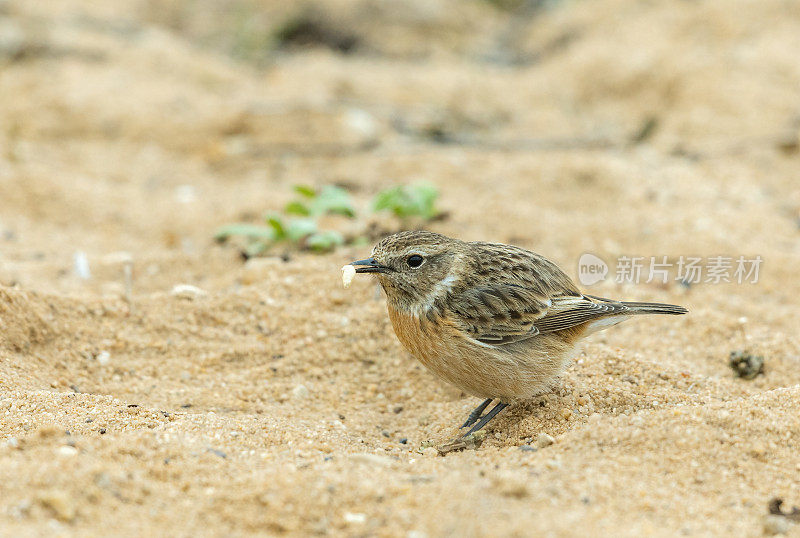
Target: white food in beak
(348, 273)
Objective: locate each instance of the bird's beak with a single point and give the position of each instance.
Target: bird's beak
(369, 266)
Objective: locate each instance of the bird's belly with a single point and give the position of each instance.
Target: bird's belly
(510, 373)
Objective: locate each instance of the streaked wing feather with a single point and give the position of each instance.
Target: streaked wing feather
(501, 313)
(570, 312)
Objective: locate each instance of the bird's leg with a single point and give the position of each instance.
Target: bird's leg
(487, 417)
(476, 414)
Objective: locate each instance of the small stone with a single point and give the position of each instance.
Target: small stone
(361, 123)
(185, 194)
(80, 265)
(217, 452)
(745, 365)
(67, 450)
(774, 524)
(351, 517)
(566, 413)
(187, 291)
(300, 392)
(544, 440)
(103, 358)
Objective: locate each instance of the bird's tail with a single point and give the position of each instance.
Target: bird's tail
(653, 308)
(632, 308)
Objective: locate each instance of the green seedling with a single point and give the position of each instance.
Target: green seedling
(300, 232)
(405, 201)
(330, 200)
(297, 225)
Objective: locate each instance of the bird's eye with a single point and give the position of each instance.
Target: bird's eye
(415, 260)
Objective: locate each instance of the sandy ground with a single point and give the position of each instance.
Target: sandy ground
(278, 402)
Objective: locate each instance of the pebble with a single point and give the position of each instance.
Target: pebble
(300, 392)
(81, 265)
(351, 517)
(219, 453)
(185, 194)
(103, 358)
(67, 450)
(361, 123)
(187, 291)
(544, 440)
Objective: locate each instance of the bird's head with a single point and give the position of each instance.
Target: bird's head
(414, 268)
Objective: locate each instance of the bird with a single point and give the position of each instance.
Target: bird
(496, 321)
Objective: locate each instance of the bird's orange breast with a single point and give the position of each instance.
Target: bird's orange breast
(410, 332)
(428, 339)
(481, 370)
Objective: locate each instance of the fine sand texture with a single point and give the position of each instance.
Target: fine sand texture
(268, 400)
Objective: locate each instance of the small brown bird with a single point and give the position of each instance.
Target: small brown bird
(497, 321)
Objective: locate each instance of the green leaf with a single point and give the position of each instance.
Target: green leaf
(332, 200)
(417, 200)
(424, 195)
(297, 208)
(305, 191)
(324, 241)
(386, 199)
(277, 225)
(298, 229)
(252, 231)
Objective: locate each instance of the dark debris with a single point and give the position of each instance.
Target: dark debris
(746, 365)
(775, 510)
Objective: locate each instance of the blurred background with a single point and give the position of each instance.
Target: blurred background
(147, 125)
(180, 181)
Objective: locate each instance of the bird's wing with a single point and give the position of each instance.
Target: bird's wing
(505, 313)
(571, 311)
(499, 313)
